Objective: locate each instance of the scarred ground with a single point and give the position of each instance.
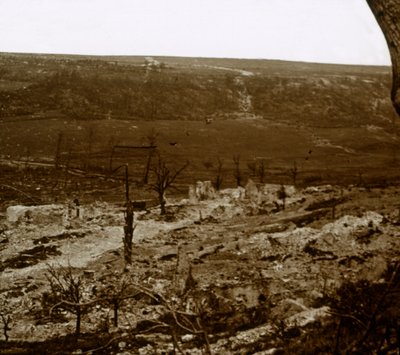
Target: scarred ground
(262, 263)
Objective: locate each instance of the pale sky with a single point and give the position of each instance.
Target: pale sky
(329, 31)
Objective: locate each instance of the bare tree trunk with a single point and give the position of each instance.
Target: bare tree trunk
(6, 325)
(237, 173)
(162, 201)
(128, 231)
(387, 14)
(78, 321)
(219, 178)
(147, 169)
(116, 307)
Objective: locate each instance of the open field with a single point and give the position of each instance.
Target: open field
(322, 155)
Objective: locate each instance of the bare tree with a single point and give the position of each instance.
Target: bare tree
(282, 195)
(219, 176)
(129, 228)
(177, 316)
(5, 316)
(165, 178)
(151, 137)
(6, 320)
(115, 292)
(237, 173)
(67, 292)
(257, 168)
(129, 218)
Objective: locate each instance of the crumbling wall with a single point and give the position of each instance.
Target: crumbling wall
(38, 215)
(203, 190)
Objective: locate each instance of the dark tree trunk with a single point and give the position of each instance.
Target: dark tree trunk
(147, 169)
(162, 204)
(128, 231)
(78, 321)
(116, 306)
(387, 14)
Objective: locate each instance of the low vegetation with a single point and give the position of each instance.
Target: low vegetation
(193, 89)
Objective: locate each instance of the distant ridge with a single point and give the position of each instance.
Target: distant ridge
(185, 88)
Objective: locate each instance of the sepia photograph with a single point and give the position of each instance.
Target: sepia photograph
(200, 177)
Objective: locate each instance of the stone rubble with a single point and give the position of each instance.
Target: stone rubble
(235, 243)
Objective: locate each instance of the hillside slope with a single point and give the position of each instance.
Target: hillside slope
(164, 88)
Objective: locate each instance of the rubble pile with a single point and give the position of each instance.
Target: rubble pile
(243, 258)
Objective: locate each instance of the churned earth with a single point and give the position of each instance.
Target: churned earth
(251, 259)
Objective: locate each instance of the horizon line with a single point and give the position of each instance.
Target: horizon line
(193, 57)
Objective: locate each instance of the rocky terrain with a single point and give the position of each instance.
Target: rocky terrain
(262, 269)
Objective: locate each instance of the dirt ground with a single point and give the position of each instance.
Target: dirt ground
(263, 260)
